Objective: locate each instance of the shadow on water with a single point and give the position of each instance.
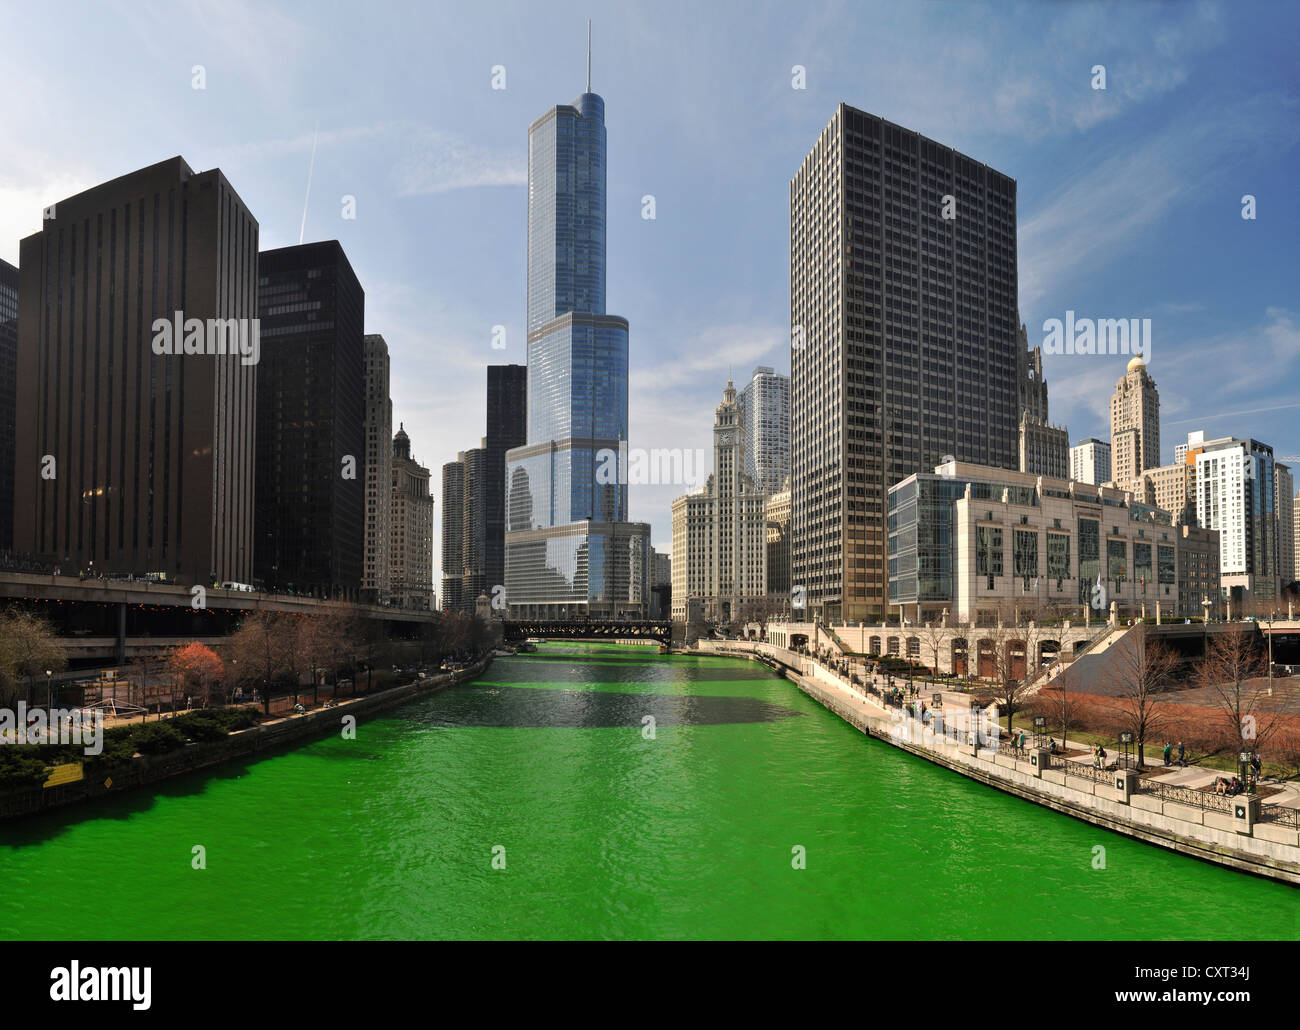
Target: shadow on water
(489, 705)
(577, 669)
(52, 823)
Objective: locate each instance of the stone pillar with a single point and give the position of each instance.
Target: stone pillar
(1245, 813)
(1040, 758)
(120, 649)
(1125, 783)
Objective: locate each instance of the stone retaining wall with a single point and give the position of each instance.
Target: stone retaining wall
(242, 744)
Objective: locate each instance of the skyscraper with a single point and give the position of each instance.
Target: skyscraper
(411, 549)
(1235, 483)
(765, 429)
(453, 533)
(1134, 424)
(721, 534)
(311, 415)
(473, 526)
(1090, 461)
(379, 471)
(8, 397)
(1284, 492)
(569, 547)
(1044, 449)
(150, 429)
(903, 312)
(507, 428)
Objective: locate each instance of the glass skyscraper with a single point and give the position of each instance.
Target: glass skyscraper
(570, 550)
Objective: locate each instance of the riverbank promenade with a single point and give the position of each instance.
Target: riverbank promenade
(1168, 806)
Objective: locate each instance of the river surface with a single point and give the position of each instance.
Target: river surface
(594, 791)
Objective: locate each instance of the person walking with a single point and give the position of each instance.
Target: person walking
(1181, 761)
(1167, 750)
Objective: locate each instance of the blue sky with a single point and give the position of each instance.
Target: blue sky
(1129, 198)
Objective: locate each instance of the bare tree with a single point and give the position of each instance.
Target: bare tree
(1014, 647)
(1232, 663)
(1141, 671)
(257, 645)
(934, 636)
(28, 647)
(1060, 706)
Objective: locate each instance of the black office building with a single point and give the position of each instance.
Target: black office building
(137, 359)
(8, 398)
(507, 427)
(311, 389)
(904, 348)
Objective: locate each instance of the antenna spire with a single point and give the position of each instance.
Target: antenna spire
(588, 55)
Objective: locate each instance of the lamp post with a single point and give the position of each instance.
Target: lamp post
(49, 691)
(1271, 617)
(1244, 759)
(1125, 739)
(1040, 723)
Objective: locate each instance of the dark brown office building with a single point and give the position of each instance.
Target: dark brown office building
(507, 427)
(311, 411)
(136, 460)
(8, 397)
(903, 342)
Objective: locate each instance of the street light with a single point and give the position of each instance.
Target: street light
(1244, 759)
(49, 691)
(1271, 616)
(1125, 739)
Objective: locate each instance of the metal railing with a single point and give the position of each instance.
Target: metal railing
(1083, 772)
(1280, 814)
(1206, 800)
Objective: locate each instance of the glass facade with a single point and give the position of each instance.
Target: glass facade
(569, 547)
(566, 211)
(1089, 557)
(1058, 556)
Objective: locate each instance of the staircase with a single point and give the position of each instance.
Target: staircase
(835, 637)
(1046, 675)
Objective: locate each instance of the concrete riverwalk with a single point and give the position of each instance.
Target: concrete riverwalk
(1242, 832)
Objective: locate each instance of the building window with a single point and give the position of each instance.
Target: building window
(1117, 560)
(988, 551)
(1026, 553)
(1089, 556)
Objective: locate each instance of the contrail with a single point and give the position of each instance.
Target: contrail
(1230, 414)
(303, 228)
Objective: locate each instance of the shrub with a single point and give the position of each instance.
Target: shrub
(118, 749)
(20, 767)
(156, 738)
(199, 726)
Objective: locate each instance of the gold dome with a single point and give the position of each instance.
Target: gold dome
(1136, 362)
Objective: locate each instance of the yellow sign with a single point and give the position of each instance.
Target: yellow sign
(61, 774)
(108, 782)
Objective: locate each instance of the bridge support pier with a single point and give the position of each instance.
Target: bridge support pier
(119, 651)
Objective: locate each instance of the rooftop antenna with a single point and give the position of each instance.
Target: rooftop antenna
(588, 55)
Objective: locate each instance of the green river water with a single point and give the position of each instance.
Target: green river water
(605, 833)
